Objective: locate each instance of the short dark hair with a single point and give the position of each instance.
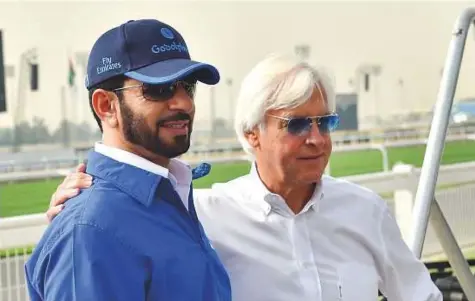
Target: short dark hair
(109, 85)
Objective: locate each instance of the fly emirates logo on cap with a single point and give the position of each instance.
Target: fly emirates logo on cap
(108, 65)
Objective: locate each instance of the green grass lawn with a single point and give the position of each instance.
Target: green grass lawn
(358, 162)
(26, 197)
(33, 197)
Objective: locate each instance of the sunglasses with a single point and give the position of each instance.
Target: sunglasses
(163, 92)
(301, 126)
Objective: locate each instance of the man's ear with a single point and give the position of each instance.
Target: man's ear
(252, 137)
(105, 106)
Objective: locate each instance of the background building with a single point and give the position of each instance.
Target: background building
(387, 55)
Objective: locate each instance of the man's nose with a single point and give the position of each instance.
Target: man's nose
(315, 137)
(181, 101)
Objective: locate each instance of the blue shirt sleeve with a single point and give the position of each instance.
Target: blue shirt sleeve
(88, 264)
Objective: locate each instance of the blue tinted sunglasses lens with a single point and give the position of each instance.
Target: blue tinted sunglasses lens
(167, 91)
(301, 126)
(328, 123)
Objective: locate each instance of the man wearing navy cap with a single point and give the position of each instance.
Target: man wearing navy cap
(134, 235)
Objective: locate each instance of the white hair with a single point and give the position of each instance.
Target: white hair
(278, 82)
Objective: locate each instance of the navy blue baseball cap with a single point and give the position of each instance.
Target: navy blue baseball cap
(147, 50)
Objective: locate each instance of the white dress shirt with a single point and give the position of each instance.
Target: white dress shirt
(178, 172)
(344, 245)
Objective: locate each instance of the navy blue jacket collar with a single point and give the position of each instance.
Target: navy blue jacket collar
(138, 183)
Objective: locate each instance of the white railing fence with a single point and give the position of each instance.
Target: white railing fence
(12, 276)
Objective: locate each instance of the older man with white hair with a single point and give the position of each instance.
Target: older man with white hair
(286, 231)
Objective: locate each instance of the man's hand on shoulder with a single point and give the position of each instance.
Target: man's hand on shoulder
(69, 188)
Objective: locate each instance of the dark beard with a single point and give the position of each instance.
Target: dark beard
(137, 132)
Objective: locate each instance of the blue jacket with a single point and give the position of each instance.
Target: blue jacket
(128, 237)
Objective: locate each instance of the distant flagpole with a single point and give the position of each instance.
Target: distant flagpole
(71, 73)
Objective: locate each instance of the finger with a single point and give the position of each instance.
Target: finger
(70, 186)
(81, 168)
(61, 196)
(66, 179)
(78, 176)
(53, 212)
(78, 181)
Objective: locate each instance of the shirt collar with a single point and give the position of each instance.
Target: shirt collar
(268, 201)
(137, 183)
(178, 172)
